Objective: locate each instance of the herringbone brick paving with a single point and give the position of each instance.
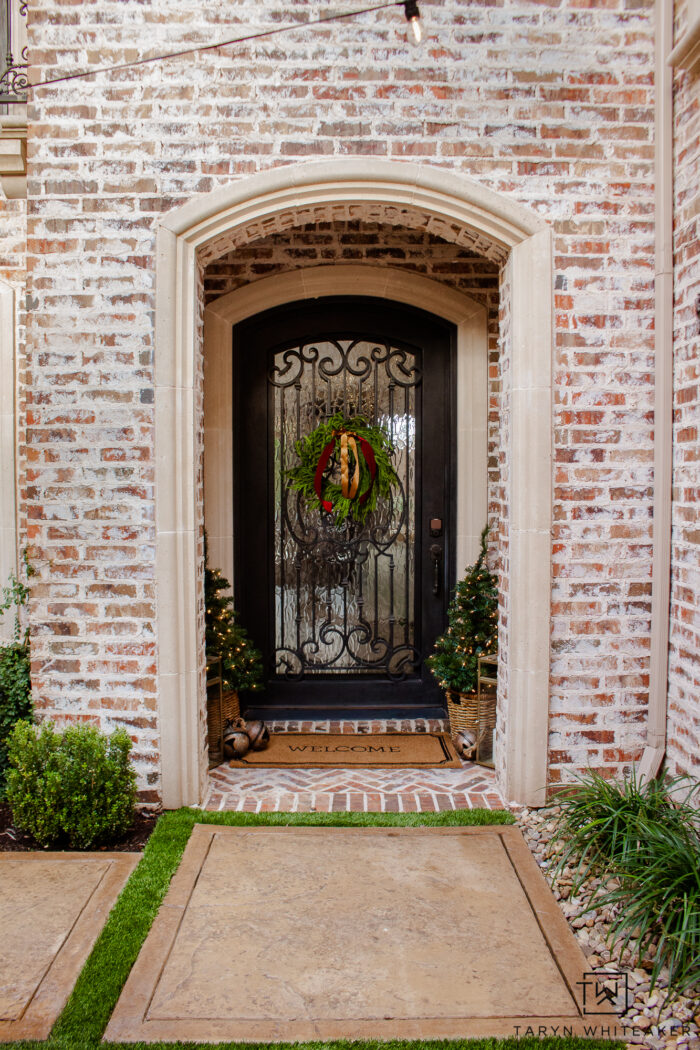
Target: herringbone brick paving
(357, 790)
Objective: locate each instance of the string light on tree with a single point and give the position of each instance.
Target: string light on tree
(473, 628)
(226, 639)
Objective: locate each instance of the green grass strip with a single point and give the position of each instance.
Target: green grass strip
(97, 990)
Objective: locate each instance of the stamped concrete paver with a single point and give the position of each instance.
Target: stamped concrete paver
(52, 908)
(272, 934)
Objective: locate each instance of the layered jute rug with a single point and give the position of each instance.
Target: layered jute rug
(341, 750)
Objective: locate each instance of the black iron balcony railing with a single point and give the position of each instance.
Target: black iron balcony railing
(13, 59)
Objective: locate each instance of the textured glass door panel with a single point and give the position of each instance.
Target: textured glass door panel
(344, 596)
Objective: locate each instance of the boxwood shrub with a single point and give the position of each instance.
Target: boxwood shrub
(15, 695)
(15, 683)
(73, 788)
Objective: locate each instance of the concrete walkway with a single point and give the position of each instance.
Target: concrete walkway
(272, 934)
(52, 908)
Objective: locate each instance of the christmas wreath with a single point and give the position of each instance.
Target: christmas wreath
(360, 452)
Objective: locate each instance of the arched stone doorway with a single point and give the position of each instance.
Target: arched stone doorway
(458, 210)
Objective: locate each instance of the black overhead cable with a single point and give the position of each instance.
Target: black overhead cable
(213, 47)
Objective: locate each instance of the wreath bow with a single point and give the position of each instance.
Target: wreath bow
(348, 443)
(365, 467)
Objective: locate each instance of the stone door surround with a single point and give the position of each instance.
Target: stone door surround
(455, 208)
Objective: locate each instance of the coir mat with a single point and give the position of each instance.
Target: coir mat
(341, 750)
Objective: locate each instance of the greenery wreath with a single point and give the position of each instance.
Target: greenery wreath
(360, 451)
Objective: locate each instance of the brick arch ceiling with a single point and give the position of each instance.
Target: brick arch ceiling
(346, 211)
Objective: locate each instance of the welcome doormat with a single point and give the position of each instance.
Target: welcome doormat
(354, 749)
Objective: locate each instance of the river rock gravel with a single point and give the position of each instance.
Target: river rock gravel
(651, 1021)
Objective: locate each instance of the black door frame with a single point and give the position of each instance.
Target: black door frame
(254, 341)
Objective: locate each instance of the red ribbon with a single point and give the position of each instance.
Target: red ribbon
(367, 452)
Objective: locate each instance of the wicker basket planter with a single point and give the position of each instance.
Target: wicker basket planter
(221, 707)
(474, 713)
(462, 711)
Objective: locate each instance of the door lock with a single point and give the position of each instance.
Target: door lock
(436, 527)
(436, 558)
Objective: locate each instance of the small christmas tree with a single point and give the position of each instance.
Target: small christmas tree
(241, 663)
(473, 627)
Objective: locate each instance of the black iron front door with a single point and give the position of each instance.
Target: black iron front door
(344, 614)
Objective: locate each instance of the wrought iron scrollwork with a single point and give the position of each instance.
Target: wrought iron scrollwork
(14, 77)
(344, 593)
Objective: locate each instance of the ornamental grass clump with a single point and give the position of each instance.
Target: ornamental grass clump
(73, 788)
(599, 819)
(658, 902)
(645, 835)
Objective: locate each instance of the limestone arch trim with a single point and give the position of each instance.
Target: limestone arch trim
(346, 279)
(454, 203)
(442, 194)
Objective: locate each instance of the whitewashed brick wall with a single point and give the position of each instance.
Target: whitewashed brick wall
(550, 103)
(13, 222)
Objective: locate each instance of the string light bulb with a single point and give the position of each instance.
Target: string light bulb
(414, 20)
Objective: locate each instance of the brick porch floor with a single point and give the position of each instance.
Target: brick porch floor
(359, 790)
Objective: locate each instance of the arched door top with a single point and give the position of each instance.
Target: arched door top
(397, 189)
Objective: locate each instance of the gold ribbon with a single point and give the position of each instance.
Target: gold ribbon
(348, 488)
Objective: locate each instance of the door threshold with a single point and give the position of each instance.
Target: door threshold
(272, 713)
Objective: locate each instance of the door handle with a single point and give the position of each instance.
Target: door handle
(436, 558)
